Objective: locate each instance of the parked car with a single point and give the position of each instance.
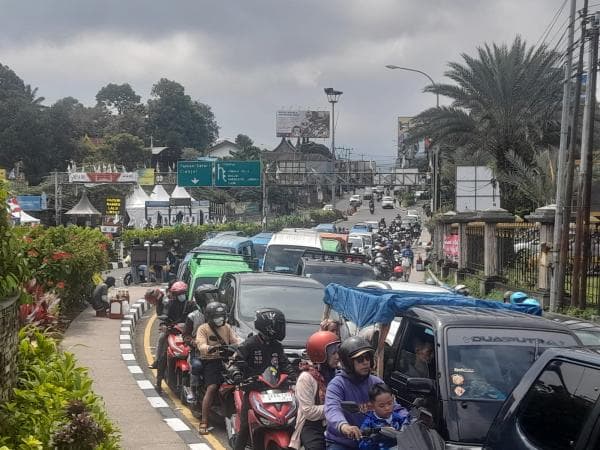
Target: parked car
(387, 203)
(299, 298)
(355, 200)
(328, 207)
(329, 267)
(554, 406)
(587, 332)
(478, 355)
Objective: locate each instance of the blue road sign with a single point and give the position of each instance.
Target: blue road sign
(194, 173)
(237, 173)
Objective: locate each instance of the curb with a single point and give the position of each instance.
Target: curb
(116, 265)
(126, 336)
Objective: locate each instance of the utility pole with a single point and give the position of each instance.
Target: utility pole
(582, 240)
(557, 287)
(263, 170)
(333, 97)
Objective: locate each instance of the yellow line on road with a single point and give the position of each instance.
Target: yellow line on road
(212, 440)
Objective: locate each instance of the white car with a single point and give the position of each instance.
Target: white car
(412, 212)
(387, 203)
(355, 200)
(328, 208)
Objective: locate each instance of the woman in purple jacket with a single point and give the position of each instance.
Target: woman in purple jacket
(352, 384)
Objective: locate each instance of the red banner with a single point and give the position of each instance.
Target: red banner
(451, 246)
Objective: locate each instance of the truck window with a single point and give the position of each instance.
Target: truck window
(416, 355)
(558, 404)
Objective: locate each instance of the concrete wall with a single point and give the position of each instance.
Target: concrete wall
(9, 336)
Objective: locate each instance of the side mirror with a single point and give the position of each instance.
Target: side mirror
(424, 386)
(350, 407)
(162, 317)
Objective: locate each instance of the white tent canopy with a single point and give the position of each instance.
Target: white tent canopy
(159, 194)
(83, 207)
(23, 217)
(180, 192)
(135, 205)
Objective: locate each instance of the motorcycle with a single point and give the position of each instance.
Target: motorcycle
(173, 365)
(272, 412)
(372, 209)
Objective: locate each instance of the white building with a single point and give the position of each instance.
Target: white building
(222, 149)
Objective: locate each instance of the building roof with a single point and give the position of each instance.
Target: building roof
(221, 144)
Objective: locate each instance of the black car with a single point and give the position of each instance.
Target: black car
(300, 299)
(331, 267)
(587, 332)
(463, 363)
(555, 406)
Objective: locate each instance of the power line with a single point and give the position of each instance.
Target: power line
(548, 29)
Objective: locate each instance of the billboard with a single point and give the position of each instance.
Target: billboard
(476, 189)
(306, 124)
(145, 177)
(103, 177)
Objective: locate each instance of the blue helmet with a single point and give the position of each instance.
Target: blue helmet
(518, 297)
(530, 301)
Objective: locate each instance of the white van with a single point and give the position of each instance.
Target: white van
(286, 248)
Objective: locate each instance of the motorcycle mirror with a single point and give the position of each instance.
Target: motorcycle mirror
(350, 407)
(388, 432)
(422, 386)
(162, 317)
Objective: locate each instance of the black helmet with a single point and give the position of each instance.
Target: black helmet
(270, 323)
(351, 348)
(216, 313)
(110, 281)
(205, 294)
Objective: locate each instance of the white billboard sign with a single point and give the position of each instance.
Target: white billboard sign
(476, 189)
(307, 124)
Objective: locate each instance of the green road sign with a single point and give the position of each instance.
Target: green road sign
(237, 173)
(194, 173)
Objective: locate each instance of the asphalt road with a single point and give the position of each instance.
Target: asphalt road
(145, 341)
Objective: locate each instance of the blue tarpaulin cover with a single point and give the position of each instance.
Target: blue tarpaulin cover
(368, 306)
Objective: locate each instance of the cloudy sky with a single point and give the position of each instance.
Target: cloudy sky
(249, 58)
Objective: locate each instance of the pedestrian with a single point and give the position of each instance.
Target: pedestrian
(351, 384)
(322, 349)
(100, 295)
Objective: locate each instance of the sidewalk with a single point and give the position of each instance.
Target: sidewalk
(95, 343)
(419, 277)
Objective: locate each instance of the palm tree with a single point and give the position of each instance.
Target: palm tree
(504, 101)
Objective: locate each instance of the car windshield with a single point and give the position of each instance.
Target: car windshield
(298, 304)
(486, 364)
(356, 242)
(588, 337)
(283, 258)
(204, 280)
(260, 250)
(348, 274)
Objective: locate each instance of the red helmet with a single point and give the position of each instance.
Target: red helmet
(179, 287)
(398, 269)
(317, 343)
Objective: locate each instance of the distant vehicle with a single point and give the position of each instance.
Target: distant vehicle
(260, 242)
(378, 190)
(299, 298)
(355, 200)
(412, 212)
(561, 379)
(367, 196)
(207, 268)
(587, 332)
(334, 242)
(328, 207)
(366, 236)
(331, 267)
(387, 203)
(286, 247)
(214, 234)
(236, 245)
(361, 227)
(326, 227)
(357, 241)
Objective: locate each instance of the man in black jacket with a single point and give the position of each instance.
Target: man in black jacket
(259, 352)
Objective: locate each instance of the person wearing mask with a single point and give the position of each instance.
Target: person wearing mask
(322, 349)
(210, 336)
(100, 295)
(176, 308)
(351, 384)
(258, 352)
(421, 367)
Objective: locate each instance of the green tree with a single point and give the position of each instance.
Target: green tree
(505, 100)
(127, 113)
(177, 121)
(126, 150)
(248, 150)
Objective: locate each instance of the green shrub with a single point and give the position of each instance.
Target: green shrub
(14, 270)
(51, 392)
(64, 259)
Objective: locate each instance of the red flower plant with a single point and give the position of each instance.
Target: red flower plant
(57, 256)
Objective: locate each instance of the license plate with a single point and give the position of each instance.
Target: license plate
(277, 397)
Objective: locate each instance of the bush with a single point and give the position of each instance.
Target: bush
(64, 259)
(14, 270)
(53, 401)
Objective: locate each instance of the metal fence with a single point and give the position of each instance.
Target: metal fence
(475, 245)
(518, 247)
(593, 273)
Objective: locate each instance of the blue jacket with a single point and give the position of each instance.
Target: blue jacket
(407, 253)
(400, 416)
(345, 387)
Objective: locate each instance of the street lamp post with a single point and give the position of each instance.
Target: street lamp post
(333, 97)
(436, 151)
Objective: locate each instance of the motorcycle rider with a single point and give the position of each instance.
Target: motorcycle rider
(257, 353)
(177, 308)
(212, 335)
(352, 384)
